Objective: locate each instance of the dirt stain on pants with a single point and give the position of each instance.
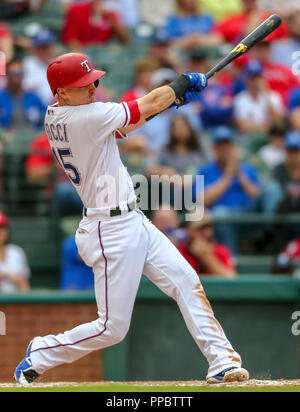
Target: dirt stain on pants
(213, 321)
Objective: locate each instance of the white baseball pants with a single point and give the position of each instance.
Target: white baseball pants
(120, 250)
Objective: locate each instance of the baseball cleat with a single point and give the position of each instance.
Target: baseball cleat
(230, 375)
(24, 373)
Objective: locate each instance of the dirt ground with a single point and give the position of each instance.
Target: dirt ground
(251, 383)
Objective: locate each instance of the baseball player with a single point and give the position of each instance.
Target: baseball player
(114, 237)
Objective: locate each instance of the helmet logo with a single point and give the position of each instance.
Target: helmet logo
(86, 64)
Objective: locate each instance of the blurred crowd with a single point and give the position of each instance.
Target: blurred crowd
(242, 134)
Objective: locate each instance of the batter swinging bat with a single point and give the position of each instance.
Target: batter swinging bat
(259, 34)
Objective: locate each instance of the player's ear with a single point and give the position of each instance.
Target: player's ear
(61, 92)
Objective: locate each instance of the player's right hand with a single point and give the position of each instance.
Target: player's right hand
(190, 96)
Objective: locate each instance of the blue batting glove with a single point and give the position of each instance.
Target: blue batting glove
(197, 81)
(189, 96)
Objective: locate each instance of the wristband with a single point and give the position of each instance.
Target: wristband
(180, 86)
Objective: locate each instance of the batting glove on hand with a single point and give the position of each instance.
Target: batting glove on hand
(189, 96)
(197, 81)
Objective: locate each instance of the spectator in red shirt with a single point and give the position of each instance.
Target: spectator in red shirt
(143, 73)
(279, 77)
(91, 23)
(236, 27)
(204, 254)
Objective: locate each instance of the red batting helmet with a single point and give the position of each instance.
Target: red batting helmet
(71, 70)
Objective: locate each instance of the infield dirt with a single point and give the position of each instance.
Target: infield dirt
(164, 386)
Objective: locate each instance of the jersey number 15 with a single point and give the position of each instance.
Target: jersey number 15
(74, 175)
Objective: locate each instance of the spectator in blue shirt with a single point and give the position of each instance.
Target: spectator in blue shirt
(190, 28)
(75, 274)
(18, 108)
(230, 186)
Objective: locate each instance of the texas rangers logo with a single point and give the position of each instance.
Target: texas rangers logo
(240, 48)
(86, 64)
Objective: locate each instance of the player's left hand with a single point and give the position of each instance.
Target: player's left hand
(197, 81)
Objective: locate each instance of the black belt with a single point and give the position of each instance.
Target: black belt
(113, 212)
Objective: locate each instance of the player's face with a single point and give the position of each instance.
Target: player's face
(76, 96)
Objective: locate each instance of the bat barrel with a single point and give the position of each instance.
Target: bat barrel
(262, 31)
(259, 34)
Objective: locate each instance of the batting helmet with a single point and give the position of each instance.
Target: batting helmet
(72, 70)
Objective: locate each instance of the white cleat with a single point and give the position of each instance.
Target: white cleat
(230, 375)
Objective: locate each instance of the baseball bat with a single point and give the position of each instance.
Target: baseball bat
(255, 37)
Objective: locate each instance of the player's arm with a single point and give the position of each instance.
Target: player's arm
(156, 101)
(183, 90)
(133, 127)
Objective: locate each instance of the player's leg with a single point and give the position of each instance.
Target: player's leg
(166, 267)
(117, 251)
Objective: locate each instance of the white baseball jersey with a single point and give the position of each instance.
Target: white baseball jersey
(83, 140)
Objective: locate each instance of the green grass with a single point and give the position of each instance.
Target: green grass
(134, 388)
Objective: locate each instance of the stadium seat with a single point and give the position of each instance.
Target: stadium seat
(255, 265)
(51, 16)
(20, 195)
(41, 240)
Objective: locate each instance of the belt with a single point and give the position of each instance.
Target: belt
(115, 211)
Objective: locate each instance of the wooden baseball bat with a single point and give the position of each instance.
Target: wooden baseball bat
(255, 37)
